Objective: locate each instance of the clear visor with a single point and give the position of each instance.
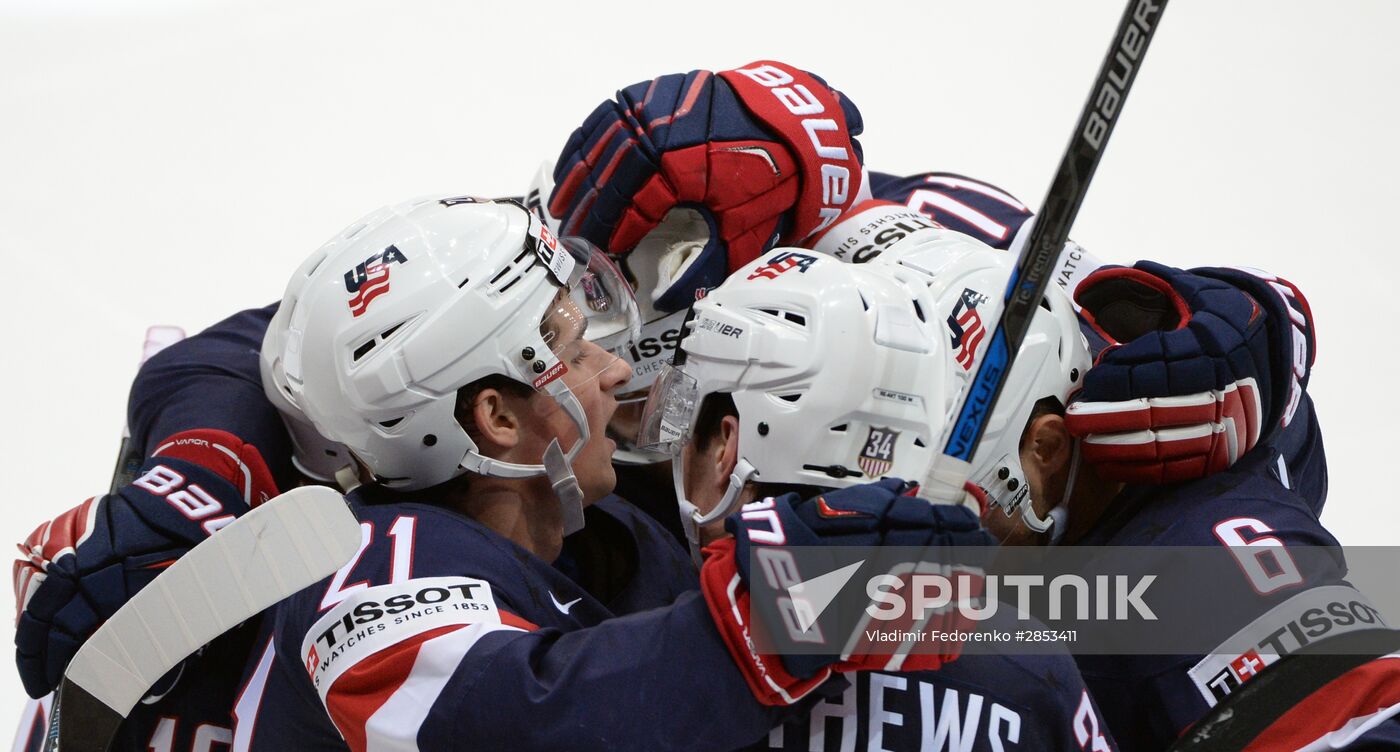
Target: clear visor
(669, 412)
(646, 356)
(595, 304)
(605, 299)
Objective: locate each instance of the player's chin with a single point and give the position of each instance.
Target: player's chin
(598, 485)
(596, 477)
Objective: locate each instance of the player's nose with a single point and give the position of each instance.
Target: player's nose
(615, 374)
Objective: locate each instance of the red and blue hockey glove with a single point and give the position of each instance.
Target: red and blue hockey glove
(764, 154)
(1179, 391)
(872, 514)
(82, 566)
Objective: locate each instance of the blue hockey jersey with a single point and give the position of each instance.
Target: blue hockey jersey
(212, 380)
(1149, 700)
(442, 633)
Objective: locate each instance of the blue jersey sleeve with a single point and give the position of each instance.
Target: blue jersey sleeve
(212, 380)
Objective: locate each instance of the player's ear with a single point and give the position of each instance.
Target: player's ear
(1046, 445)
(492, 421)
(726, 448)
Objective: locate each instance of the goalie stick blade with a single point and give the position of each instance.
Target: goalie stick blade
(283, 546)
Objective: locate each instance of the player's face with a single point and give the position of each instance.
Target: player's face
(708, 465)
(628, 419)
(593, 375)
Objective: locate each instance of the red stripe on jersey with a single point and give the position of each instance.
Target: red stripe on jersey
(511, 620)
(1359, 692)
(360, 691)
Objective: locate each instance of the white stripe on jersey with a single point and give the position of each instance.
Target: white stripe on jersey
(1352, 729)
(976, 187)
(922, 197)
(394, 725)
(245, 710)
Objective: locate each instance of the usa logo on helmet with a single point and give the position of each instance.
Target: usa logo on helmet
(966, 328)
(783, 263)
(370, 279)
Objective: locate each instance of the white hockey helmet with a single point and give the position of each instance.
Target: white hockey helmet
(967, 279)
(314, 455)
(417, 300)
(837, 372)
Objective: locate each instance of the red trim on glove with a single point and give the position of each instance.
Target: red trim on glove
(564, 192)
(693, 93)
(1183, 311)
(822, 152)
(727, 597)
(226, 455)
(53, 539)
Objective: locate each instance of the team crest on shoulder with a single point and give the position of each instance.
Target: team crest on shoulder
(877, 457)
(370, 279)
(965, 326)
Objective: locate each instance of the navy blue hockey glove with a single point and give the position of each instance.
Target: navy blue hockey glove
(764, 154)
(1180, 389)
(872, 514)
(82, 566)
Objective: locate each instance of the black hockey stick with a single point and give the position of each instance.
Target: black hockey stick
(1034, 268)
(268, 554)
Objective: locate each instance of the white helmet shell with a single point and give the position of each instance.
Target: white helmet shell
(967, 278)
(314, 455)
(837, 370)
(408, 305)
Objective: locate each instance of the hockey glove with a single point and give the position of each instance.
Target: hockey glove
(761, 154)
(873, 514)
(82, 566)
(1180, 388)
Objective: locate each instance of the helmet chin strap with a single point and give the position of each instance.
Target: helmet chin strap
(1057, 520)
(560, 471)
(558, 466)
(691, 517)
